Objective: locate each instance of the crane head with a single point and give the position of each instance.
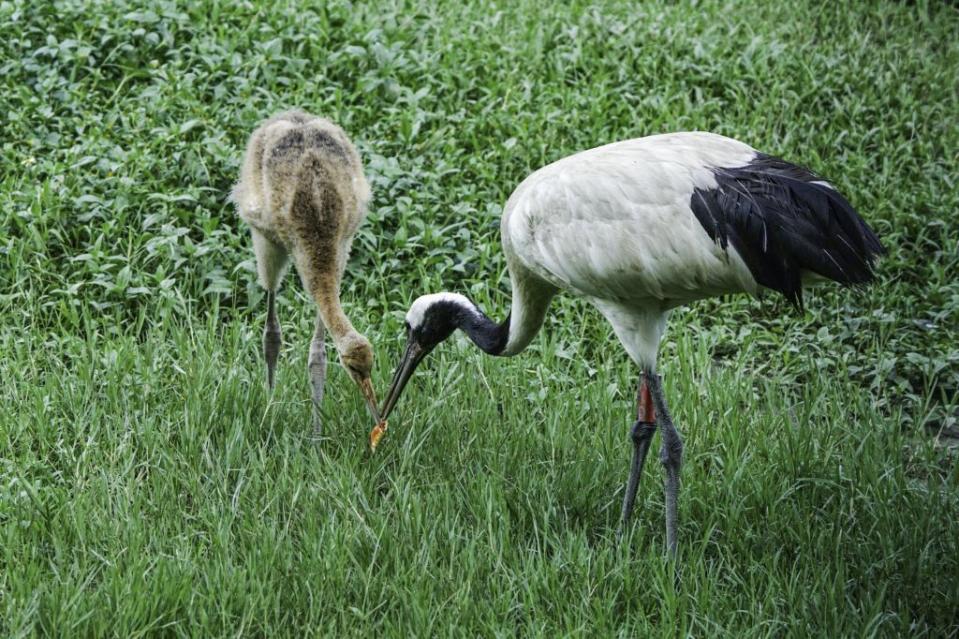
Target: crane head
(356, 356)
(430, 320)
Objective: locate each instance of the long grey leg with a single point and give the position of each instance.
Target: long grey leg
(671, 455)
(317, 367)
(642, 434)
(271, 339)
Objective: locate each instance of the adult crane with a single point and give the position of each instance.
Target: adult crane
(639, 228)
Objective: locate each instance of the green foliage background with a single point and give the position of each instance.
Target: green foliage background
(130, 320)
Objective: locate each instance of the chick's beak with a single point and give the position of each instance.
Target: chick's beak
(366, 388)
(411, 358)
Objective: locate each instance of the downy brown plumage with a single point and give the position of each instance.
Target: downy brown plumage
(303, 193)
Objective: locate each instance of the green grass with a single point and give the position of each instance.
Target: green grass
(150, 486)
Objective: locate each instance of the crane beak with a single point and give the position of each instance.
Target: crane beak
(366, 388)
(411, 358)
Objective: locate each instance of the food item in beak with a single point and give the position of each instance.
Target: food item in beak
(376, 434)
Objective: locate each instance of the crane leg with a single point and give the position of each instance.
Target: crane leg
(642, 434)
(271, 339)
(317, 368)
(671, 455)
(271, 259)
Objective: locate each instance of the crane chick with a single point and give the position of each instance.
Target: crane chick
(303, 193)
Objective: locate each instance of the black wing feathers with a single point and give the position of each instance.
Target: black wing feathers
(783, 220)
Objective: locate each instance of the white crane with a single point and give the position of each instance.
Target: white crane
(638, 228)
(302, 191)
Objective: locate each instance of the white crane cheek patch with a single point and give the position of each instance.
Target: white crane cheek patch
(417, 312)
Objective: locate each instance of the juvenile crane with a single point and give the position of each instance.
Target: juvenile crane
(641, 227)
(303, 193)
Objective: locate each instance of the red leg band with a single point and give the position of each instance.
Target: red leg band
(644, 404)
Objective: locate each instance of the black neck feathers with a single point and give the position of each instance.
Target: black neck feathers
(485, 333)
(441, 317)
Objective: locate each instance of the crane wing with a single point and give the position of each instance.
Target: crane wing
(654, 219)
(784, 221)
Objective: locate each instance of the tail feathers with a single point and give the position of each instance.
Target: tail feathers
(785, 221)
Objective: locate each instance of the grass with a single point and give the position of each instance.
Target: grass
(150, 486)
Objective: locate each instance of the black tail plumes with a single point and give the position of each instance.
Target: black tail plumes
(783, 220)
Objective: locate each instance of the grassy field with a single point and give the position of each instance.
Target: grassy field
(149, 486)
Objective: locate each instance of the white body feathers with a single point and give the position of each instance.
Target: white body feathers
(613, 224)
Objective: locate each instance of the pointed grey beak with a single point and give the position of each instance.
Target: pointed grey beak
(411, 358)
(366, 388)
